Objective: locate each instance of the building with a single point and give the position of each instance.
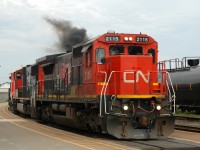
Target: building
(4, 88)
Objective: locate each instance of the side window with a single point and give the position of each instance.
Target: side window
(77, 75)
(116, 50)
(152, 52)
(100, 55)
(135, 50)
(18, 75)
(72, 76)
(88, 59)
(80, 75)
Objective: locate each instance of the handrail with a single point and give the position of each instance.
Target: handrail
(100, 113)
(172, 97)
(104, 93)
(104, 89)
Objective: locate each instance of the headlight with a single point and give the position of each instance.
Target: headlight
(158, 107)
(126, 38)
(130, 38)
(125, 107)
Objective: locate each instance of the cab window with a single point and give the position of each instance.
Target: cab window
(18, 75)
(100, 55)
(116, 49)
(152, 52)
(135, 50)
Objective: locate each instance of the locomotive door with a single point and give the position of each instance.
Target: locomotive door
(33, 93)
(66, 81)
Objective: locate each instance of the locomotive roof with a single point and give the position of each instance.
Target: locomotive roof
(47, 58)
(88, 42)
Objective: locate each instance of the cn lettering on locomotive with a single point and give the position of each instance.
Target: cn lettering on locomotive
(138, 75)
(110, 84)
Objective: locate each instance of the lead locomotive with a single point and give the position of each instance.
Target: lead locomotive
(110, 84)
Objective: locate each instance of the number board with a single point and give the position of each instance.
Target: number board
(142, 39)
(112, 38)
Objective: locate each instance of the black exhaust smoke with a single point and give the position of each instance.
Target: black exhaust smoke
(68, 35)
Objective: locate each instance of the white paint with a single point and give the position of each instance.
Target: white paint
(138, 74)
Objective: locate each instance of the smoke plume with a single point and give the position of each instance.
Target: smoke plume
(68, 35)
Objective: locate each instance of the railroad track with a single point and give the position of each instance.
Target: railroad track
(187, 123)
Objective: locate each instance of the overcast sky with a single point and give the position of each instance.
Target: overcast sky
(26, 36)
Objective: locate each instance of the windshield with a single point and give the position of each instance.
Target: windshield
(135, 50)
(116, 50)
(100, 55)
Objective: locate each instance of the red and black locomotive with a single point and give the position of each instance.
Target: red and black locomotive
(110, 84)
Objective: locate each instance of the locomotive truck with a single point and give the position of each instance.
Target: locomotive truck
(110, 84)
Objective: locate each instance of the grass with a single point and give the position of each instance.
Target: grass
(186, 114)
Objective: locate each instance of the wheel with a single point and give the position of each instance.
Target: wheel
(45, 114)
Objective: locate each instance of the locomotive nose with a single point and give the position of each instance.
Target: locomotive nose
(129, 74)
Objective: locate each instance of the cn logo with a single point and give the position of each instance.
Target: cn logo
(137, 75)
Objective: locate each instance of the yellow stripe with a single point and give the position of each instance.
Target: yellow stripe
(52, 96)
(66, 96)
(20, 98)
(62, 96)
(95, 96)
(155, 84)
(118, 96)
(90, 96)
(102, 83)
(72, 96)
(140, 96)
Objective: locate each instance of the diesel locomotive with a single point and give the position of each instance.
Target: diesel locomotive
(110, 84)
(185, 76)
